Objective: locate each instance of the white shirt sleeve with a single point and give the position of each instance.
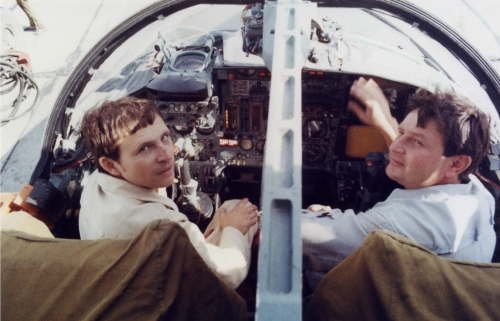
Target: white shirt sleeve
(229, 259)
(113, 208)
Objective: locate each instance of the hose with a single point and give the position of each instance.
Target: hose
(13, 75)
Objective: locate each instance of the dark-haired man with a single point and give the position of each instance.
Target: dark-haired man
(135, 156)
(432, 154)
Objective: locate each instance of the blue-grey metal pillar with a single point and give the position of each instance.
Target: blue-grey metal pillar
(287, 26)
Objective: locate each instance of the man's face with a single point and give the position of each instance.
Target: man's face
(416, 156)
(147, 157)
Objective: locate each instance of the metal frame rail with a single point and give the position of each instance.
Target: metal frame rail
(279, 288)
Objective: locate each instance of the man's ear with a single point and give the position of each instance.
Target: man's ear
(459, 163)
(109, 166)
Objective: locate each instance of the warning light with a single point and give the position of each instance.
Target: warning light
(225, 142)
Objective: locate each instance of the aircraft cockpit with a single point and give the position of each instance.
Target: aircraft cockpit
(211, 71)
(213, 89)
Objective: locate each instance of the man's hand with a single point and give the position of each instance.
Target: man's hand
(242, 217)
(370, 105)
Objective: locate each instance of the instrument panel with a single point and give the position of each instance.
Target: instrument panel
(228, 130)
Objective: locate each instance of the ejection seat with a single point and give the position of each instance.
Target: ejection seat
(157, 275)
(391, 277)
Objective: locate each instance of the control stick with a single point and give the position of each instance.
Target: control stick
(189, 199)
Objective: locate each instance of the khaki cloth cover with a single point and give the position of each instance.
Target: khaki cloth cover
(158, 273)
(392, 278)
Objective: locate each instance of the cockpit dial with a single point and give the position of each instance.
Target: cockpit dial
(312, 154)
(246, 143)
(315, 128)
(205, 130)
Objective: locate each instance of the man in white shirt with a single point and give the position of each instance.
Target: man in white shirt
(134, 155)
(432, 154)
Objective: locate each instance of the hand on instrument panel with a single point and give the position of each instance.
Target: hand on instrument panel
(242, 217)
(370, 105)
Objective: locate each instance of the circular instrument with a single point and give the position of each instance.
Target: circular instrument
(246, 144)
(315, 128)
(313, 154)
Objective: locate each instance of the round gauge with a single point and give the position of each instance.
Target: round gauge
(246, 144)
(183, 130)
(259, 146)
(315, 128)
(205, 130)
(312, 154)
(246, 72)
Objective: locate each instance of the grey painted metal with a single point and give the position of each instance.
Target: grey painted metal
(279, 288)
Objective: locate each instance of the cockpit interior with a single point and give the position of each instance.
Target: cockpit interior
(213, 88)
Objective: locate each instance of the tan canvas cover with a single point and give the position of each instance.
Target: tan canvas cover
(158, 273)
(392, 278)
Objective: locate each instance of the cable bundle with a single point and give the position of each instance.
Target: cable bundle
(14, 76)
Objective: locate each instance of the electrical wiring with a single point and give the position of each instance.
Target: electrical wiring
(486, 180)
(12, 76)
